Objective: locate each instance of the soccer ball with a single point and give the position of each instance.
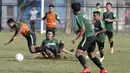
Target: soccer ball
(19, 57)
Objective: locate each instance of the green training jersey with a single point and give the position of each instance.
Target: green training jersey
(52, 43)
(99, 26)
(109, 25)
(81, 19)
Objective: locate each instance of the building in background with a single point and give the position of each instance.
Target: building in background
(9, 10)
(120, 8)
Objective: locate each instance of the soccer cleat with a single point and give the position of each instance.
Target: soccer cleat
(103, 70)
(87, 57)
(86, 70)
(111, 50)
(101, 59)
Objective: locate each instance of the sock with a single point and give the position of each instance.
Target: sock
(82, 61)
(111, 44)
(101, 55)
(97, 62)
(38, 49)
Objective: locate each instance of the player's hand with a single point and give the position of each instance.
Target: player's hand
(73, 41)
(47, 46)
(6, 43)
(70, 54)
(38, 19)
(96, 34)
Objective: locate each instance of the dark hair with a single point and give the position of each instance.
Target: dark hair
(97, 4)
(76, 6)
(51, 6)
(10, 20)
(96, 12)
(108, 4)
(49, 31)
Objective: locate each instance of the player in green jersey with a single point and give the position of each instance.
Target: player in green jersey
(109, 17)
(88, 39)
(100, 30)
(53, 48)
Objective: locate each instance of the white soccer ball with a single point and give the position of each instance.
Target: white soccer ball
(19, 57)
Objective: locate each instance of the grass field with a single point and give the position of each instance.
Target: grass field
(119, 62)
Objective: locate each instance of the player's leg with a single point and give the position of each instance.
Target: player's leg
(110, 39)
(83, 45)
(31, 25)
(31, 39)
(60, 49)
(94, 58)
(101, 47)
(49, 53)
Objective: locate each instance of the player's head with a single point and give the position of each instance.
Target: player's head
(50, 34)
(98, 5)
(76, 7)
(108, 6)
(11, 22)
(51, 8)
(96, 15)
(33, 8)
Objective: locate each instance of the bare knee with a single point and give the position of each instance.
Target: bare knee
(79, 52)
(91, 55)
(32, 49)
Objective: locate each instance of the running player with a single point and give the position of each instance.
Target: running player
(88, 39)
(99, 33)
(21, 28)
(109, 17)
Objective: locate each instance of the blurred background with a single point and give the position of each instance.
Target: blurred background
(11, 9)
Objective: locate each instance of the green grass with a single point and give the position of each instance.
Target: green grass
(119, 62)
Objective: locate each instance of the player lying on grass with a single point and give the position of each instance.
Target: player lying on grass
(21, 28)
(52, 48)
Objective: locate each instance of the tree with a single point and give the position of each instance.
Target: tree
(68, 17)
(23, 4)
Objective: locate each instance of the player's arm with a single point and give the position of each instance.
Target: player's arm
(82, 29)
(58, 19)
(43, 17)
(67, 52)
(14, 36)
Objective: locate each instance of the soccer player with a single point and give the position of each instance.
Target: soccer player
(21, 28)
(88, 39)
(109, 17)
(53, 48)
(99, 33)
(51, 18)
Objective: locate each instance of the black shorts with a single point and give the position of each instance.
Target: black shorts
(32, 22)
(31, 39)
(87, 43)
(100, 45)
(109, 34)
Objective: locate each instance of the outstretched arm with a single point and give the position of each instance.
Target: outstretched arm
(14, 36)
(43, 17)
(80, 34)
(67, 52)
